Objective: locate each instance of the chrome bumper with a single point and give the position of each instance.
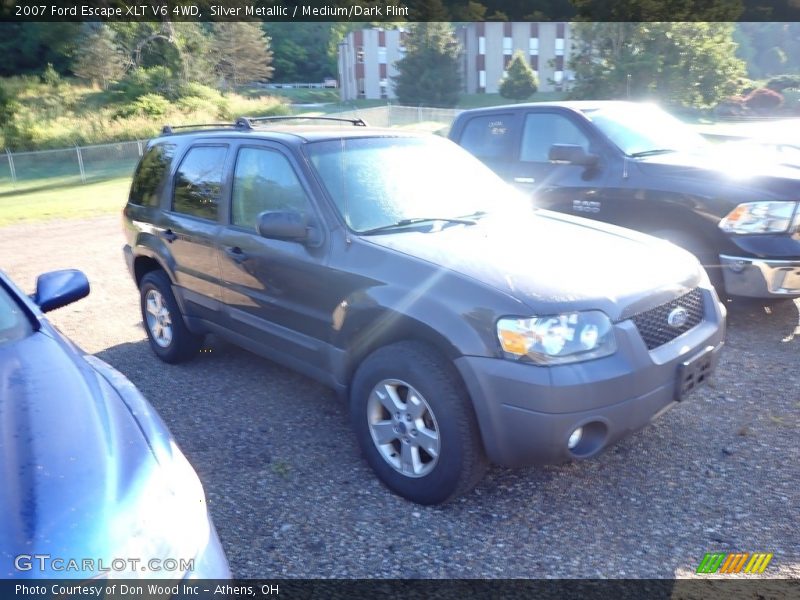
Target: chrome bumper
(757, 278)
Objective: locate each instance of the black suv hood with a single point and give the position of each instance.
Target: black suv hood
(737, 169)
(554, 262)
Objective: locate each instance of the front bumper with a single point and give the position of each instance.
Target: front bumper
(527, 413)
(760, 278)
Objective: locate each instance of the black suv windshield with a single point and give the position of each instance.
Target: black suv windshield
(641, 130)
(14, 325)
(378, 182)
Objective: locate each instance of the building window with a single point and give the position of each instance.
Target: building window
(360, 55)
(481, 45)
(533, 46)
(482, 79)
(381, 55)
(559, 46)
(384, 88)
(558, 77)
(362, 89)
(507, 45)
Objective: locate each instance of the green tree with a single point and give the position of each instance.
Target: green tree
(242, 52)
(302, 50)
(690, 64)
(28, 47)
(428, 74)
(100, 59)
(520, 81)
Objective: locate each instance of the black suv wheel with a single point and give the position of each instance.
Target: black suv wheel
(415, 425)
(169, 337)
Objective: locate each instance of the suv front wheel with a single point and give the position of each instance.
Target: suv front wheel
(415, 424)
(169, 337)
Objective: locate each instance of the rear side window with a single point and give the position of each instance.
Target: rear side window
(198, 182)
(150, 175)
(264, 181)
(488, 137)
(542, 130)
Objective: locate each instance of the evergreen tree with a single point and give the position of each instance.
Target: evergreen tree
(100, 59)
(242, 52)
(520, 81)
(428, 74)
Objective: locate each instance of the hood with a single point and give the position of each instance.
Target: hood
(554, 262)
(71, 456)
(728, 167)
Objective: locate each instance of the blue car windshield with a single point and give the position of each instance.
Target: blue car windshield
(14, 324)
(376, 182)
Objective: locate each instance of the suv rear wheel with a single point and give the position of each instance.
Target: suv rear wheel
(415, 424)
(169, 337)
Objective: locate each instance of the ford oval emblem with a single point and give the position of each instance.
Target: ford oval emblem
(678, 317)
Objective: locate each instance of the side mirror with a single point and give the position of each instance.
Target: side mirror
(572, 154)
(59, 288)
(288, 225)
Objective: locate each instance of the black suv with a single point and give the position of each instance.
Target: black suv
(464, 326)
(636, 166)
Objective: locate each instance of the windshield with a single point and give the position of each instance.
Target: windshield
(377, 182)
(14, 324)
(644, 129)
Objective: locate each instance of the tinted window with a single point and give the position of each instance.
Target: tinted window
(150, 174)
(264, 180)
(543, 130)
(198, 182)
(488, 137)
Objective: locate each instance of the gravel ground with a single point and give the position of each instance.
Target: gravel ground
(291, 496)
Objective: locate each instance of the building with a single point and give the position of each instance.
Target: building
(367, 57)
(366, 63)
(489, 46)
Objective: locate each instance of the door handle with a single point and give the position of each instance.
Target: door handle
(169, 235)
(524, 180)
(235, 253)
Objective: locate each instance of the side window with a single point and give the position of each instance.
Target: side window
(198, 182)
(542, 130)
(488, 137)
(150, 175)
(264, 181)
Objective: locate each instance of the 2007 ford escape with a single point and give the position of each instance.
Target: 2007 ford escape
(464, 327)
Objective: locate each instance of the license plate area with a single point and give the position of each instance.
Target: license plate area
(694, 372)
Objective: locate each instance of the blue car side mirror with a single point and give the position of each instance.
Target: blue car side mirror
(59, 288)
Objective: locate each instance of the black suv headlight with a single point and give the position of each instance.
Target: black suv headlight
(558, 339)
(761, 217)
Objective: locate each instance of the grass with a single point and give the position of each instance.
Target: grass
(64, 201)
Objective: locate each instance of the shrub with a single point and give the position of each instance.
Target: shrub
(153, 80)
(763, 101)
(520, 81)
(784, 82)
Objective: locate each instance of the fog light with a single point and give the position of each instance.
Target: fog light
(575, 438)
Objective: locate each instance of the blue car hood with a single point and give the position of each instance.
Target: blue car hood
(71, 456)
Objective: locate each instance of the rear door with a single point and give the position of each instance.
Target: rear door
(191, 226)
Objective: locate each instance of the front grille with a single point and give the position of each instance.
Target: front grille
(653, 324)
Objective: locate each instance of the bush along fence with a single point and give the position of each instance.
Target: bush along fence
(85, 164)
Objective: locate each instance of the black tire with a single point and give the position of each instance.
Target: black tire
(181, 344)
(420, 372)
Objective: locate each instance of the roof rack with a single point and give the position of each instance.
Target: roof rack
(248, 122)
(168, 129)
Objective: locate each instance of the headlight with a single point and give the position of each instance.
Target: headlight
(558, 339)
(759, 217)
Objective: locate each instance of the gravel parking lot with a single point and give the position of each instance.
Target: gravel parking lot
(291, 496)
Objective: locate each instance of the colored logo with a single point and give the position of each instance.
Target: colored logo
(742, 562)
(678, 317)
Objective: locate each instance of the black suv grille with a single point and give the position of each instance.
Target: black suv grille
(654, 327)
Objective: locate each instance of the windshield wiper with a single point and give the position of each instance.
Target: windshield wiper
(416, 221)
(652, 152)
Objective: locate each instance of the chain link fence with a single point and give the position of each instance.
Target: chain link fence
(24, 170)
